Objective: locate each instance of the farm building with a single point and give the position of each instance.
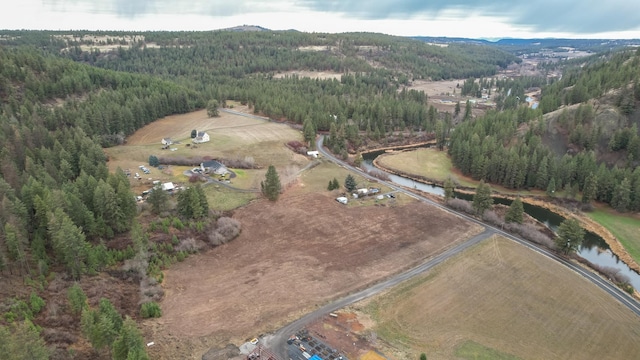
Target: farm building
(202, 137)
(214, 167)
(166, 141)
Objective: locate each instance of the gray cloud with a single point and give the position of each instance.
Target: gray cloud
(544, 15)
(570, 16)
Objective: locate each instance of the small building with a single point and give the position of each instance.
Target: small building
(342, 200)
(168, 186)
(214, 167)
(202, 137)
(166, 141)
(313, 153)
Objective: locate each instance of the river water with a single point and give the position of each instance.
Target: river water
(593, 248)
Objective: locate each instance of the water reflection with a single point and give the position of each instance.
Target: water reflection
(593, 248)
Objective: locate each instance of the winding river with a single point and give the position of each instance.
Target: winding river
(593, 248)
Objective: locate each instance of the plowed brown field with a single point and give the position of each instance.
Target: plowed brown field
(291, 256)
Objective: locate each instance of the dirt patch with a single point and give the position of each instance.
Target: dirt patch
(292, 256)
(321, 75)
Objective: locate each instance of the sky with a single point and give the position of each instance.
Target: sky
(488, 19)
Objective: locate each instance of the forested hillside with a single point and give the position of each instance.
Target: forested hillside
(59, 205)
(587, 142)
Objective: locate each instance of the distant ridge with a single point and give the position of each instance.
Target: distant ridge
(246, 28)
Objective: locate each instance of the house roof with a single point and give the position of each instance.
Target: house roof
(168, 186)
(201, 133)
(212, 164)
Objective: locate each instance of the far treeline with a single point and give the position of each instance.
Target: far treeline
(605, 146)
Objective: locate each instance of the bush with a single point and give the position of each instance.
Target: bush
(36, 302)
(461, 205)
(150, 310)
(189, 245)
(226, 230)
(492, 218)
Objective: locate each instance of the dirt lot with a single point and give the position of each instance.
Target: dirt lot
(507, 298)
(291, 256)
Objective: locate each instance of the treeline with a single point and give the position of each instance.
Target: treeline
(485, 150)
(580, 83)
(43, 91)
(57, 198)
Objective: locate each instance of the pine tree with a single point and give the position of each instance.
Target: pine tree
(309, 132)
(551, 188)
(212, 108)
(158, 199)
(129, 344)
(622, 196)
(482, 199)
(590, 189)
(271, 185)
(350, 183)
(77, 299)
(570, 235)
(449, 189)
(515, 212)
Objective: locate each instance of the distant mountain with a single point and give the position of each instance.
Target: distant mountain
(525, 45)
(246, 28)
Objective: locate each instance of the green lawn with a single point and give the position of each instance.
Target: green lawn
(223, 199)
(624, 228)
(473, 351)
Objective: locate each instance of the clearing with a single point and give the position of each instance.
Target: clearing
(292, 256)
(501, 298)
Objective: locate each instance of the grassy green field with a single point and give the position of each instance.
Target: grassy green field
(470, 350)
(624, 228)
(430, 163)
(500, 300)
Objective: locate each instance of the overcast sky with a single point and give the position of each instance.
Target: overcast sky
(452, 18)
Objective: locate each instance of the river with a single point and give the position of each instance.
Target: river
(593, 248)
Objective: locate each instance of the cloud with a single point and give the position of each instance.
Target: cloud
(587, 16)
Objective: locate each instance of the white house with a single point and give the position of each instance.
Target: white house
(166, 141)
(168, 186)
(202, 137)
(313, 153)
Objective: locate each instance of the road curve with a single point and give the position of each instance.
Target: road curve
(605, 285)
(277, 340)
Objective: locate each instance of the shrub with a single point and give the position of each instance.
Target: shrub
(36, 302)
(189, 245)
(492, 218)
(461, 205)
(226, 230)
(150, 310)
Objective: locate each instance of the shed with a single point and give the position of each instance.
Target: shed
(168, 186)
(342, 200)
(313, 153)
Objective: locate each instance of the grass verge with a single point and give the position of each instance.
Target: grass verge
(624, 228)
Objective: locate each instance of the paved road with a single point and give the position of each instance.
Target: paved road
(607, 286)
(277, 341)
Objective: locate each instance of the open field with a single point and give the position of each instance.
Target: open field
(232, 137)
(432, 88)
(500, 299)
(430, 163)
(624, 228)
(291, 256)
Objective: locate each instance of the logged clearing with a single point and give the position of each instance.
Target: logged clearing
(292, 256)
(321, 75)
(509, 300)
(433, 88)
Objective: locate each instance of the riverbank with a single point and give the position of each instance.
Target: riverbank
(586, 222)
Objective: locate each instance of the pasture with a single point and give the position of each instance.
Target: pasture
(502, 300)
